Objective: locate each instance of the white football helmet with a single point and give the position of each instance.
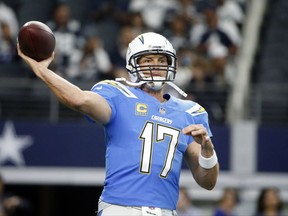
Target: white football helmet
(150, 43)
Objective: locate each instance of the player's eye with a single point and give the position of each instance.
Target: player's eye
(163, 61)
(145, 61)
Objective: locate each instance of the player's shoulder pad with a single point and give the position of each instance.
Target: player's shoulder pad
(111, 84)
(196, 109)
(189, 106)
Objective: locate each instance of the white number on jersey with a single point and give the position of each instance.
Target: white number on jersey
(147, 146)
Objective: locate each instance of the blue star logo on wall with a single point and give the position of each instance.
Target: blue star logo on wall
(12, 145)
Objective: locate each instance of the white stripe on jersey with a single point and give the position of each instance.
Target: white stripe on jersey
(119, 86)
(196, 110)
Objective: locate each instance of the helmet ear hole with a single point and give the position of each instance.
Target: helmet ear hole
(169, 60)
(137, 59)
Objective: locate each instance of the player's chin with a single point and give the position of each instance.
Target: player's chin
(154, 87)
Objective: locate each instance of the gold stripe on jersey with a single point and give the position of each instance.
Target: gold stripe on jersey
(119, 86)
(196, 110)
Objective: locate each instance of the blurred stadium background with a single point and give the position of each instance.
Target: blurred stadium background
(57, 162)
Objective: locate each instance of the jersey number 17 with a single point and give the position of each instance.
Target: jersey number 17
(147, 137)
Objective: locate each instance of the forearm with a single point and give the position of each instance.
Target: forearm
(207, 166)
(72, 96)
(207, 174)
(86, 102)
(67, 93)
(206, 178)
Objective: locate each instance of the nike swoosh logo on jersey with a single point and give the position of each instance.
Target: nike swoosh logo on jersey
(99, 87)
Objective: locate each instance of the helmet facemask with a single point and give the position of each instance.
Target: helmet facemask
(154, 76)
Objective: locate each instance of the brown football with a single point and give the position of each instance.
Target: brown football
(36, 40)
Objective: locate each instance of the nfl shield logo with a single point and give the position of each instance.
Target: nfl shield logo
(162, 110)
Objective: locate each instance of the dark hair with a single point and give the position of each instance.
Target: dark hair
(228, 190)
(260, 201)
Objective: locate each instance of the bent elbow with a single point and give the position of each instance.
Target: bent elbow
(208, 184)
(77, 104)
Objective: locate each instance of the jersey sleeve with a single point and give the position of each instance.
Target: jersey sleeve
(200, 116)
(113, 92)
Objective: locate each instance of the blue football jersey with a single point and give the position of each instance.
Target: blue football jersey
(145, 145)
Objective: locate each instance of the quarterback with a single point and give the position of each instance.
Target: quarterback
(148, 132)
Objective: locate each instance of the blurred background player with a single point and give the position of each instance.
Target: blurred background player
(89, 63)
(228, 203)
(67, 33)
(269, 203)
(9, 27)
(11, 204)
(185, 205)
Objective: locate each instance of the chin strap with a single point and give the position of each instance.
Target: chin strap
(180, 91)
(122, 79)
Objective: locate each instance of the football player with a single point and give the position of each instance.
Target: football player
(148, 132)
